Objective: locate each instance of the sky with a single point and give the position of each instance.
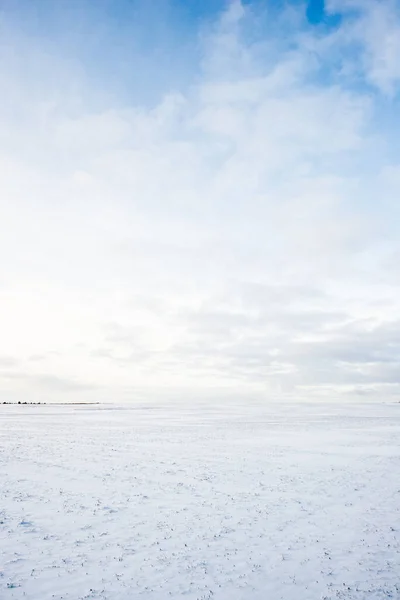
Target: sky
(199, 200)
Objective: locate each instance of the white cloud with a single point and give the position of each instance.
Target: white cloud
(236, 236)
(375, 27)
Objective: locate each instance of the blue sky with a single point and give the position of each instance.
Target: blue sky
(199, 197)
(113, 40)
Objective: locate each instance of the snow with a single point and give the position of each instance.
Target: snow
(238, 502)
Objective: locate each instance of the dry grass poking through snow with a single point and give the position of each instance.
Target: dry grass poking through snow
(240, 503)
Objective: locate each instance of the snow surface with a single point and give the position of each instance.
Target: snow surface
(298, 502)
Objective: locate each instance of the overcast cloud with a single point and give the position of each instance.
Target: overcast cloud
(213, 211)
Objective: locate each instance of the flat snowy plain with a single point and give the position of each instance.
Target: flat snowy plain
(256, 502)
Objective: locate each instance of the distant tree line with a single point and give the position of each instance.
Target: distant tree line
(24, 402)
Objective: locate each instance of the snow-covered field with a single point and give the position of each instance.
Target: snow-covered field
(229, 503)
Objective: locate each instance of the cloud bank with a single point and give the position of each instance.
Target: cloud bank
(211, 212)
